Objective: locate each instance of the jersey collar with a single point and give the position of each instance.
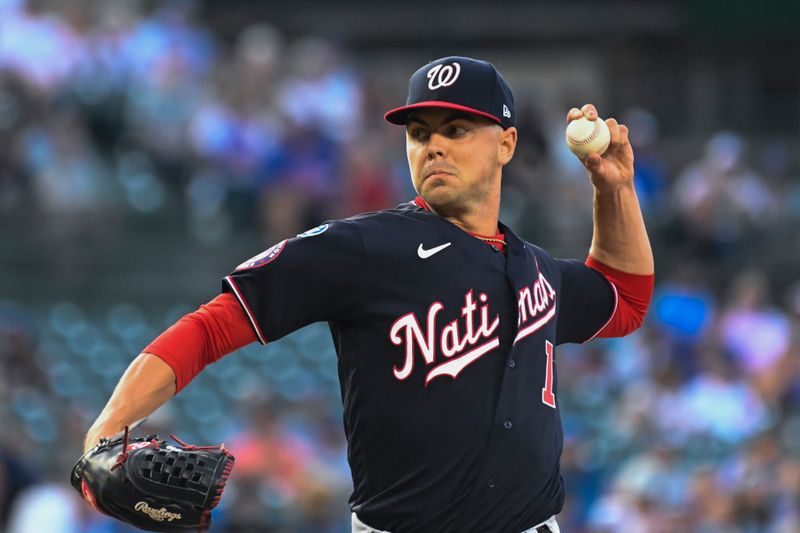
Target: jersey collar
(422, 204)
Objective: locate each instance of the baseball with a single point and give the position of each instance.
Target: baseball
(585, 136)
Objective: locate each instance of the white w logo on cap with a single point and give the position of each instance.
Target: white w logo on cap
(443, 75)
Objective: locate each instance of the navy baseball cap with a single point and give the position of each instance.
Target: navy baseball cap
(460, 83)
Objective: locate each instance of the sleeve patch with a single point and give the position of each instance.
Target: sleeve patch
(313, 232)
(267, 256)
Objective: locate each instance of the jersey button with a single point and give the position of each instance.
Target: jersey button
(507, 424)
(491, 483)
(512, 363)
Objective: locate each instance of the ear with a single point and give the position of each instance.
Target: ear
(508, 143)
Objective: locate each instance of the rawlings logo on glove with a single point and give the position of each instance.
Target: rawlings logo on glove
(153, 485)
(157, 514)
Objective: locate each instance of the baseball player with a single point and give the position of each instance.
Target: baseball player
(444, 321)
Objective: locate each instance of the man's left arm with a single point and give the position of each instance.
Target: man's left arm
(620, 239)
(620, 248)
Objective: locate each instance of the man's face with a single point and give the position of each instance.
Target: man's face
(455, 158)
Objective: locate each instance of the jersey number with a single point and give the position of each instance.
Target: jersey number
(548, 398)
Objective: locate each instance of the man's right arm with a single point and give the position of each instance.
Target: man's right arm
(171, 361)
(144, 387)
(266, 287)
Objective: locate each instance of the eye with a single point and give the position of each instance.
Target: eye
(418, 134)
(456, 130)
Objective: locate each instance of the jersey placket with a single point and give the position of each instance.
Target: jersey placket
(509, 417)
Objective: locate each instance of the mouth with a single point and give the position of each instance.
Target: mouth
(436, 173)
(439, 175)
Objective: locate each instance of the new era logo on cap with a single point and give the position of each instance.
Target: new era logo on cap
(460, 83)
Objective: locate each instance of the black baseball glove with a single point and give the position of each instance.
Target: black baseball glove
(153, 485)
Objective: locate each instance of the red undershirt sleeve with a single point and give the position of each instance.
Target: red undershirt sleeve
(202, 337)
(634, 293)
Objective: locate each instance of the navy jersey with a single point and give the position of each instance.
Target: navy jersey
(446, 361)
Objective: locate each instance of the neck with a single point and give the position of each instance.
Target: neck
(482, 220)
(482, 223)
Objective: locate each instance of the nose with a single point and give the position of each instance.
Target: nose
(437, 146)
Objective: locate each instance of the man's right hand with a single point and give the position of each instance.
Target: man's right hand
(97, 432)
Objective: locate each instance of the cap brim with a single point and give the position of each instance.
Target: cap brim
(399, 115)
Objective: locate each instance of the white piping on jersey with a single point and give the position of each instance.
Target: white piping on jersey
(247, 310)
(613, 312)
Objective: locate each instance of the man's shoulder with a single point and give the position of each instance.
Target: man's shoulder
(386, 217)
(362, 220)
(539, 253)
(543, 259)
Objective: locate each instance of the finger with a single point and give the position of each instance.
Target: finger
(589, 111)
(593, 162)
(623, 134)
(573, 114)
(613, 127)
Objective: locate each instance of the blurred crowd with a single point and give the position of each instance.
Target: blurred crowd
(115, 110)
(107, 106)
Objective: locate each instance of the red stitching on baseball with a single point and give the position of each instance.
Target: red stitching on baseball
(591, 137)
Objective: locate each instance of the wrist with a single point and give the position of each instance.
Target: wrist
(106, 425)
(625, 187)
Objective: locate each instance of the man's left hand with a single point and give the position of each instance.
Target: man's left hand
(613, 169)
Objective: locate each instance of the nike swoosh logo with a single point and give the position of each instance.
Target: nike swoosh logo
(424, 254)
